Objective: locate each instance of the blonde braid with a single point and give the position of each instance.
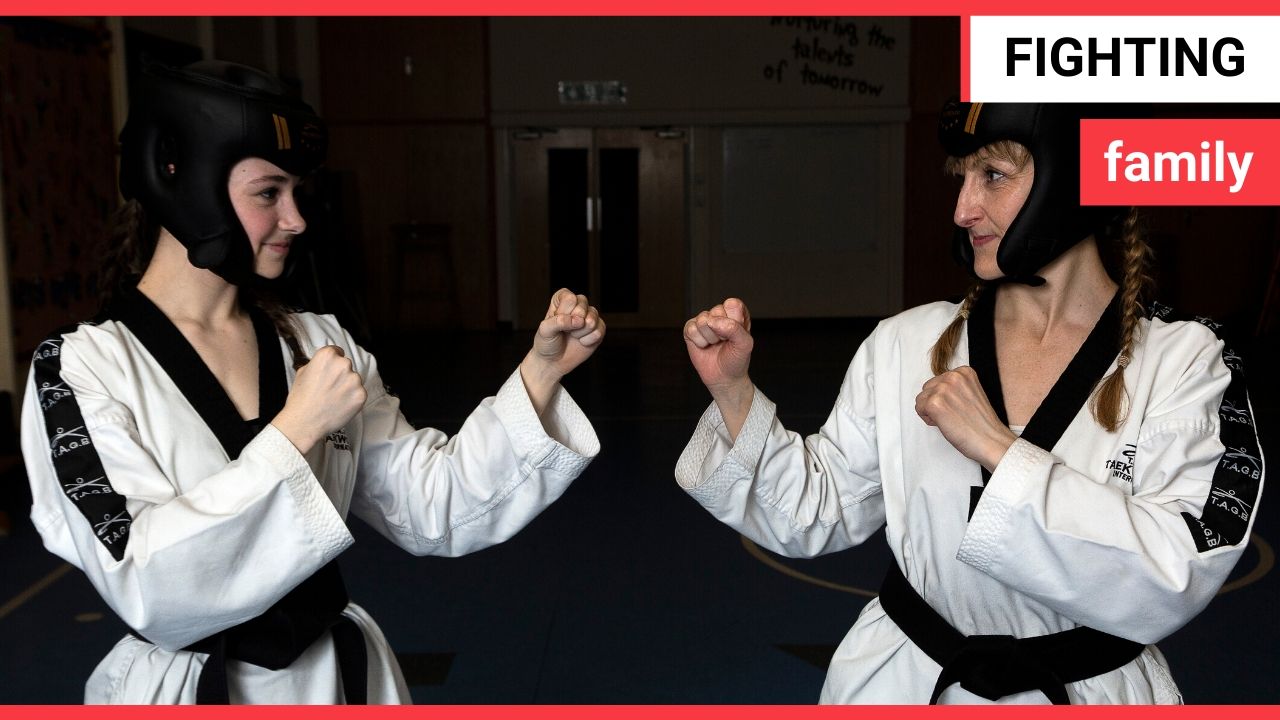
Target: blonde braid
(945, 347)
(1110, 403)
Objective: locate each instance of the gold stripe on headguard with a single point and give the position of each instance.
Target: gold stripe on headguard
(971, 124)
(282, 132)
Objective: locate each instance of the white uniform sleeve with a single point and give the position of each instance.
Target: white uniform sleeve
(1137, 566)
(175, 567)
(432, 494)
(800, 498)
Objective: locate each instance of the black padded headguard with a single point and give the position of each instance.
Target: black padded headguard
(1051, 220)
(187, 128)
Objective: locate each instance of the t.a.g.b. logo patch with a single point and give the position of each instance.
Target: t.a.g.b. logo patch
(1242, 461)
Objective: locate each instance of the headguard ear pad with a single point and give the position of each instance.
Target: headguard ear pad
(1051, 220)
(187, 128)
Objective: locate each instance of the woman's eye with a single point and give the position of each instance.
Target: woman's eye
(993, 175)
(269, 193)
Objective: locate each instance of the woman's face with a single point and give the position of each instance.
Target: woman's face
(262, 195)
(993, 191)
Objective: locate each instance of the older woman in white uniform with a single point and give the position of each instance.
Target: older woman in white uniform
(1066, 473)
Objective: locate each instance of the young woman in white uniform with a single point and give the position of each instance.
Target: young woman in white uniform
(196, 450)
(1066, 473)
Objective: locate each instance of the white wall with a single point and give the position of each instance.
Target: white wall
(801, 221)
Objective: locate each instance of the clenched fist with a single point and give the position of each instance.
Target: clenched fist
(327, 392)
(568, 335)
(955, 403)
(719, 343)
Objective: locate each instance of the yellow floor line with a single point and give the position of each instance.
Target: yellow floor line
(1266, 560)
(756, 552)
(39, 586)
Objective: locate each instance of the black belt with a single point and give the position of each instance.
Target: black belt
(993, 666)
(276, 638)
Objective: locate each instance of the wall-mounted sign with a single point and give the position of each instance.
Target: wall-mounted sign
(592, 92)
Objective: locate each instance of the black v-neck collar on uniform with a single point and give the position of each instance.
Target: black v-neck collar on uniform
(1069, 393)
(194, 379)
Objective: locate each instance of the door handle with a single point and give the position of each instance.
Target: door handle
(595, 214)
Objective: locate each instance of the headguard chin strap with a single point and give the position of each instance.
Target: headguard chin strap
(187, 128)
(1051, 220)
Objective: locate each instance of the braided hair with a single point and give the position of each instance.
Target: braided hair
(1109, 403)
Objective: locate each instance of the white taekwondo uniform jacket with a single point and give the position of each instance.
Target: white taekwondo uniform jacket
(131, 486)
(1130, 533)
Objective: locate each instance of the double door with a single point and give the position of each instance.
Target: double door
(601, 211)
